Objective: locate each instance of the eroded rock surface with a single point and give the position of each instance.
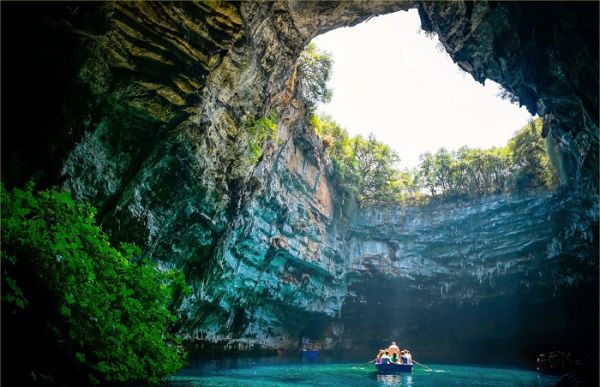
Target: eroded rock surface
(461, 279)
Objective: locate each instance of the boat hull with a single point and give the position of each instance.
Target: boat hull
(391, 368)
(310, 355)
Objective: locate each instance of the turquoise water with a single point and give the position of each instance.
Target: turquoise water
(281, 372)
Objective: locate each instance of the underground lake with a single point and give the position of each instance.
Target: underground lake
(291, 372)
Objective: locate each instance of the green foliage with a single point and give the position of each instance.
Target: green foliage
(313, 70)
(530, 157)
(102, 312)
(508, 96)
(427, 172)
(376, 164)
(366, 169)
(260, 130)
(466, 172)
(522, 164)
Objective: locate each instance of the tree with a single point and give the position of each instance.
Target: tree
(80, 311)
(522, 164)
(365, 169)
(377, 172)
(427, 172)
(529, 157)
(443, 171)
(497, 166)
(313, 70)
(460, 171)
(408, 185)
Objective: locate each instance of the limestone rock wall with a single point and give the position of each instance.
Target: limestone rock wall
(163, 152)
(480, 275)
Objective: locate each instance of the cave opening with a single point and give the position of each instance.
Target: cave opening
(392, 79)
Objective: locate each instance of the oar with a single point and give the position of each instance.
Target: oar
(422, 365)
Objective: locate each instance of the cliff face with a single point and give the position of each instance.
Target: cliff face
(145, 117)
(485, 280)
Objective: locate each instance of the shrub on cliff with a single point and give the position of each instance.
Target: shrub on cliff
(258, 131)
(75, 309)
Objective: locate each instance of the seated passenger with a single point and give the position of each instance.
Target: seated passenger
(408, 357)
(385, 359)
(403, 357)
(394, 348)
(394, 358)
(378, 360)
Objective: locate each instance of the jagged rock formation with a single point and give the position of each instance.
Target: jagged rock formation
(145, 117)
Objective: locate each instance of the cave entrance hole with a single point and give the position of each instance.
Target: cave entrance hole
(394, 80)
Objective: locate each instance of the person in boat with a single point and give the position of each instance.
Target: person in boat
(394, 358)
(408, 357)
(379, 355)
(305, 343)
(385, 359)
(393, 348)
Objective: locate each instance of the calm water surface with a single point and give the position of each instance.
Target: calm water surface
(292, 372)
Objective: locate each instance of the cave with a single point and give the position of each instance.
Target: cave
(139, 109)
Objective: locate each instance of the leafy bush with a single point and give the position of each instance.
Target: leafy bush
(79, 311)
(260, 130)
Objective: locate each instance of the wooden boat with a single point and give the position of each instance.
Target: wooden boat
(393, 368)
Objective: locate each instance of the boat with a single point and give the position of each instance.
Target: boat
(556, 363)
(310, 349)
(393, 368)
(310, 354)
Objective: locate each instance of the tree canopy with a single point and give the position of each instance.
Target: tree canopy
(368, 170)
(365, 168)
(522, 164)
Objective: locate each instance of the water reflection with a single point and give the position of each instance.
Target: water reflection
(395, 380)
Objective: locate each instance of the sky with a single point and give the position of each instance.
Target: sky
(391, 80)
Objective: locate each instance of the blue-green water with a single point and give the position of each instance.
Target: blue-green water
(286, 372)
